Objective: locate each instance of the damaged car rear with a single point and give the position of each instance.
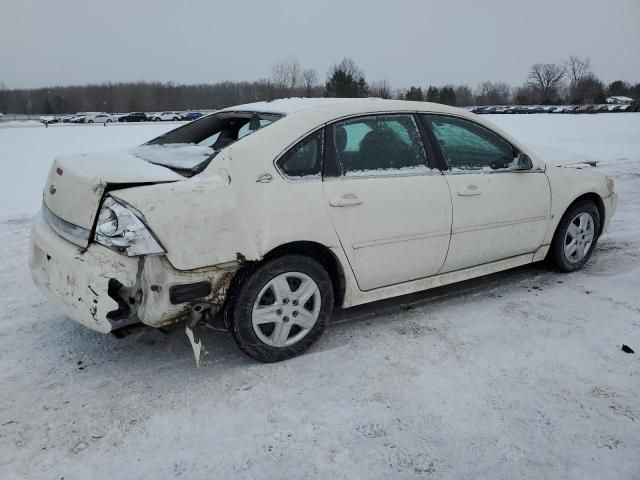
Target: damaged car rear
(98, 256)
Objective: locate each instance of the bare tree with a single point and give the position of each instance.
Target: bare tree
(287, 73)
(310, 80)
(525, 95)
(546, 80)
(380, 89)
(489, 93)
(577, 69)
(464, 96)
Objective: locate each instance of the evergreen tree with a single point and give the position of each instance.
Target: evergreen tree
(415, 94)
(618, 88)
(448, 96)
(433, 95)
(346, 80)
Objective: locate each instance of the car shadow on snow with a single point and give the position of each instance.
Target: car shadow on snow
(147, 349)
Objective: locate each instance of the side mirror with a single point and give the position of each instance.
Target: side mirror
(523, 162)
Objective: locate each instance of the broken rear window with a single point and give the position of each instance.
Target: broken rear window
(190, 148)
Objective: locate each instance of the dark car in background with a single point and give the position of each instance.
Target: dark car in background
(134, 117)
(189, 116)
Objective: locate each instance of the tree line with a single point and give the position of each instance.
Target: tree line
(571, 81)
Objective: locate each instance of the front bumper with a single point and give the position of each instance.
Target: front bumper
(104, 290)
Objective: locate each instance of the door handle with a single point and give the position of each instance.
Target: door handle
(264, 178)
(346, 200)
(469, 191)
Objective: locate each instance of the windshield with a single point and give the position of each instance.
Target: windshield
(190, 148)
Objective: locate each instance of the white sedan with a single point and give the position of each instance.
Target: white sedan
(100, 118)
(276, 213)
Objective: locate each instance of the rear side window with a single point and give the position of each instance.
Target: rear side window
(304, 159)
(378, 145)
(468, 146)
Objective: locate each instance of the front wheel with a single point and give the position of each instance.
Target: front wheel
(279, 309)
(575, 237)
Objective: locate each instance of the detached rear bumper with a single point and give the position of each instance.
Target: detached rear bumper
(104, 290)
(610, 205)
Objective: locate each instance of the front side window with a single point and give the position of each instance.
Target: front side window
(378, 145)
(468, 146)
(304, 159)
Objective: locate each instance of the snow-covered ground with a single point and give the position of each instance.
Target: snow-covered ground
(515, 376)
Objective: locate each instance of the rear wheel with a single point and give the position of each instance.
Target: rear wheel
(575, 237)
(279, 309)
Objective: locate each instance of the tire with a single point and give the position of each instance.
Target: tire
(262, 287)
(90, 121)
(157, 119)
(108, 121)
(175, 119)
(583, 238)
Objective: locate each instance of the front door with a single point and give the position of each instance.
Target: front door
(391, 210)
(498, 211)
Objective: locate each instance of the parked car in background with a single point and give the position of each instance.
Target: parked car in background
(100, 118)
(585, 109)
(49, 120)
(166, 117)
(275, 213)
(190, 116)
(133, 117)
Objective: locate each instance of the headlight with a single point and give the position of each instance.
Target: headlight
(107, 222)
(119, 229)
(610, 184)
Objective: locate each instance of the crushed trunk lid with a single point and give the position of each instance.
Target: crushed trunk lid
(76, 183)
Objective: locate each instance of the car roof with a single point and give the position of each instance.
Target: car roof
(303, 115)
(290, 106)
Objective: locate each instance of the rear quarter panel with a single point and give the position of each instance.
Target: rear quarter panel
(224, 215)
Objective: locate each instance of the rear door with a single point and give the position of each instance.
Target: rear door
(498, 212)
(390, 207)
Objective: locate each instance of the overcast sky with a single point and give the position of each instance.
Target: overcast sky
(62, 42)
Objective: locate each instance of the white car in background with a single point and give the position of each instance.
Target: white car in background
(100, 118)
(166, 117)
(275, 213)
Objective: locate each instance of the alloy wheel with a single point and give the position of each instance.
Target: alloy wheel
(579, 237)
(286, 309)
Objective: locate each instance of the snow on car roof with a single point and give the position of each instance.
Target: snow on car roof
(288, 106)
